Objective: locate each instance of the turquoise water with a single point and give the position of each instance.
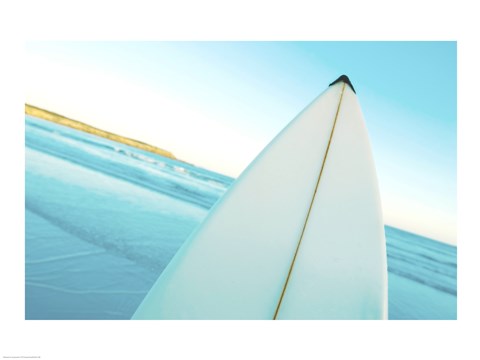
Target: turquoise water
(104, 219)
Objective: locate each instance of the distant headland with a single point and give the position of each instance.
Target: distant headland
(62, 120)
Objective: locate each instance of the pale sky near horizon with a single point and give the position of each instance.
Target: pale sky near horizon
(217, 104)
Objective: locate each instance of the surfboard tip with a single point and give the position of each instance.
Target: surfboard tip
(346, 80)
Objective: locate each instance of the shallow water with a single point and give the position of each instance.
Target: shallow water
(104, 219)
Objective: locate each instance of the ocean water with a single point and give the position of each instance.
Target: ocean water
(102, 220)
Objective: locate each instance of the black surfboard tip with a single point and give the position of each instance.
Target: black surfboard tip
(346, 80)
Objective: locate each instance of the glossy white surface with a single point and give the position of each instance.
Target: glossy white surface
(236, 264)
(340, 271)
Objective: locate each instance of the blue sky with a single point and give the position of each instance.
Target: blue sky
(217, 104)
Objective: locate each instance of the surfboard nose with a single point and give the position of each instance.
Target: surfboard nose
(346, 80)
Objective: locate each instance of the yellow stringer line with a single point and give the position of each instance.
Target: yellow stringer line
(309, 210)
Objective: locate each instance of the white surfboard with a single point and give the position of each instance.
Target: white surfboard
(299, 235)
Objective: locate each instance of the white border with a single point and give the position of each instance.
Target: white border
(220, 20)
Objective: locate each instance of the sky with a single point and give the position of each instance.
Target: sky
(218, 104)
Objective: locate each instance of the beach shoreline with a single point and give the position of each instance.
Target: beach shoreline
(78, 125)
